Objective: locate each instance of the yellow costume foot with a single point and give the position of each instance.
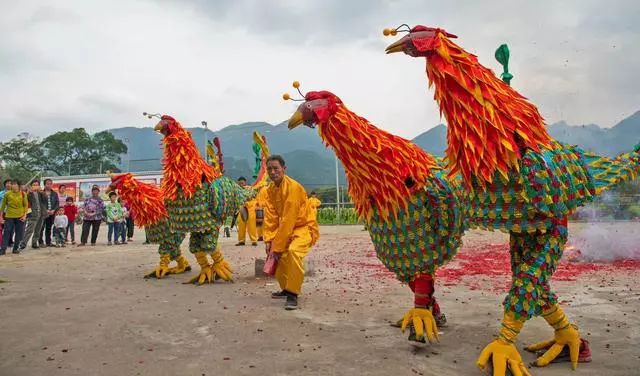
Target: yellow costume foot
(423, 323)
(566, 334)
(206, 273)
(503, 356)
(502, 352)
(183, 266)
(221, 267)
(161, 270)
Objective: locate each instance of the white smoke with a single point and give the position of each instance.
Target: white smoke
(606, 241)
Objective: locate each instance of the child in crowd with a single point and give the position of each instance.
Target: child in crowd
(71, 211)
(114, 216)
(60, 223)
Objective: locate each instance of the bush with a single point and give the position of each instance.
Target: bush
(329, 216)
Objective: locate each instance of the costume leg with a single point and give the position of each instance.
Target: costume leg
(242, 230)
(251, 226)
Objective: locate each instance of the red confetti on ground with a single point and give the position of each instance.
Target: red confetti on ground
(487, 267)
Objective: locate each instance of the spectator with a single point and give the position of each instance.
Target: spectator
(123, 223)
(52, 206)
(60, 223)
(62, 194)
(13, 214)
(130, 221)
(36, 200)
(92, 209)
(114, 216)
(6, 187)
(71, 211)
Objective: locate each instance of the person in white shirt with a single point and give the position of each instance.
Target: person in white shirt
(60, 223)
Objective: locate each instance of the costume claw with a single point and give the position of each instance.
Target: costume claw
(569, 337)
(205, 275)
(503, 356)
(161, 270)
(221, 267)
(183, 266)
(423, 323)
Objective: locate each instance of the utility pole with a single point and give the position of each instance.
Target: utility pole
(337, 191)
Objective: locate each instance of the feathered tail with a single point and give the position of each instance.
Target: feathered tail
(609, 172)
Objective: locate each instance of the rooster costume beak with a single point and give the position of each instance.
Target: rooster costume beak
(295, 120)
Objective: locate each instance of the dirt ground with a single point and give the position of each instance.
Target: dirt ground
(88, 311)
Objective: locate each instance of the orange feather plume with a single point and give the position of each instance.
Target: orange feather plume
(383, 170)
(489, 122)
(145, 200)
(183, 165)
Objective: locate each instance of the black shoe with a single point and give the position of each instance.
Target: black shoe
(35, 247)
(16, 252)
(22, 247)
(278, 295)
(261, 239)
(255, 244)
(239, 244)
(292, 302)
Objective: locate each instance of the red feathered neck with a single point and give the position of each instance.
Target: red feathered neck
(383, 170)
(183, 165)
(145, 200)
(489, 123)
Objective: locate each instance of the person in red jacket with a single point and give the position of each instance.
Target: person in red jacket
(70, 210)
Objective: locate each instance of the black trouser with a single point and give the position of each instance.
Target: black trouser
(48, 225)
(12, 226)
(87, 225)
(71, 229)
(130, 225)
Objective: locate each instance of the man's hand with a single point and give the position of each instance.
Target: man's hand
(267, 248)
(23, 218)
(2, 223)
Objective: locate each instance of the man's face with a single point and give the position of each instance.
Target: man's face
(48, 185)
(7, 186)
(95, 193)
(242, 183)
(35, 187)
(14, 187)
(61, 189)
(276, 171)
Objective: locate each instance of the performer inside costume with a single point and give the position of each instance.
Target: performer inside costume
(521, 181)
(413, 213)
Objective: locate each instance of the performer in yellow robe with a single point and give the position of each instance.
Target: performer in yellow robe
(250, 224)
(314, 201)
(261, 200)
(290, 229)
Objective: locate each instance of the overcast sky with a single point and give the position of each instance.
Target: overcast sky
(99, 64)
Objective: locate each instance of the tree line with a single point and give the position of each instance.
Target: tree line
(74, 152)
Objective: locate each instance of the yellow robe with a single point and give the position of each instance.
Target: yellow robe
(290, 226)
(261, 199)
(315, 202)
(249, 225)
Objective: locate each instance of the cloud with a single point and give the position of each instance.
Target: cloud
(100, 64)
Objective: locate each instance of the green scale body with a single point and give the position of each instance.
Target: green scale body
(532, 205)
(425, 235)
(168, 242)
(205, 212)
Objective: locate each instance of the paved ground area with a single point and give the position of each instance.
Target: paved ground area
(88, 311)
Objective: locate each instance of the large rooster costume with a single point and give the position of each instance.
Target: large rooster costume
(198, 199)
(520, 180)
(413, 212)
(148, 205)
